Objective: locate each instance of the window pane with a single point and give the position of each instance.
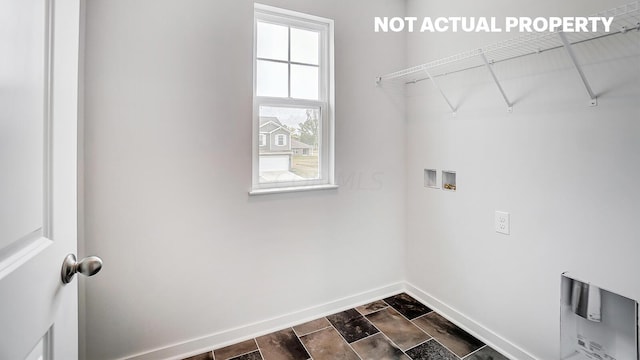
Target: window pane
(304, 82)
(292, 144)
(273, 41)
(304, 46)
(273, 79)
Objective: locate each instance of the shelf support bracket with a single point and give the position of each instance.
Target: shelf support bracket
(441, 92)
(495, 79)
(593, 98)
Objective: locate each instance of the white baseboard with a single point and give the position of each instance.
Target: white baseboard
(241, 333)
(245, 332)
(487, 336)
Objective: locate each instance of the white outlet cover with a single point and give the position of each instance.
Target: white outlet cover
(502, 222)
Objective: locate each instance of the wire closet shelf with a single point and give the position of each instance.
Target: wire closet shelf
(625, 18)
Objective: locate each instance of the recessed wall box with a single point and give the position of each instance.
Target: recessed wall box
(431, 178)
(449, 180)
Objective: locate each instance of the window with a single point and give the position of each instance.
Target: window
(293, 101)
(281, 140)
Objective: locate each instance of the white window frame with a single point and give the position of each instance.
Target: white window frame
(325, 103)
(263, 140)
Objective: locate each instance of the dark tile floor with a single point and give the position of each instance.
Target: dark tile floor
(398, 327)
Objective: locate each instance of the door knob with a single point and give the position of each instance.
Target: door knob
(88, 266)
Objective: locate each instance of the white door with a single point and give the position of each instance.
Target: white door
(38, 140)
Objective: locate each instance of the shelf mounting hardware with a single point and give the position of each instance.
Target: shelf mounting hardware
(593, 98)
(495, 79)
(453, 109)
(625, 19)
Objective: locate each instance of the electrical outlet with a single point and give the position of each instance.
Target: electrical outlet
(502, 222)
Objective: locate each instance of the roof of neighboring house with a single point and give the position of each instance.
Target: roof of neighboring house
(266, 119)
(295, 144)
(271, 124)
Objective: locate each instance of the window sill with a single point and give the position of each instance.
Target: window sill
(291, 189)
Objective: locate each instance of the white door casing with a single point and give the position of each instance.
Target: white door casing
(38, 170)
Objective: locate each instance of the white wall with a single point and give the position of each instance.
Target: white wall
(187, 253)
(567, 173)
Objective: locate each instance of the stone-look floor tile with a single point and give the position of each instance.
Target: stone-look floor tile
(486, 353)
(378, 347)
(372, 307)
(451, 336)
(250, 356)
(400, 330)
(204, 356)
(327, 344)
(431, 350)
(407, 306)
(234, 350)
(282, 345)
(351, 325)
(311, 326)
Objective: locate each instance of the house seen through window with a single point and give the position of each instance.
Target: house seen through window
(293, 97)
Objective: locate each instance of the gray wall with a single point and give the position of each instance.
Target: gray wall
(168, 165)
(568, 174)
